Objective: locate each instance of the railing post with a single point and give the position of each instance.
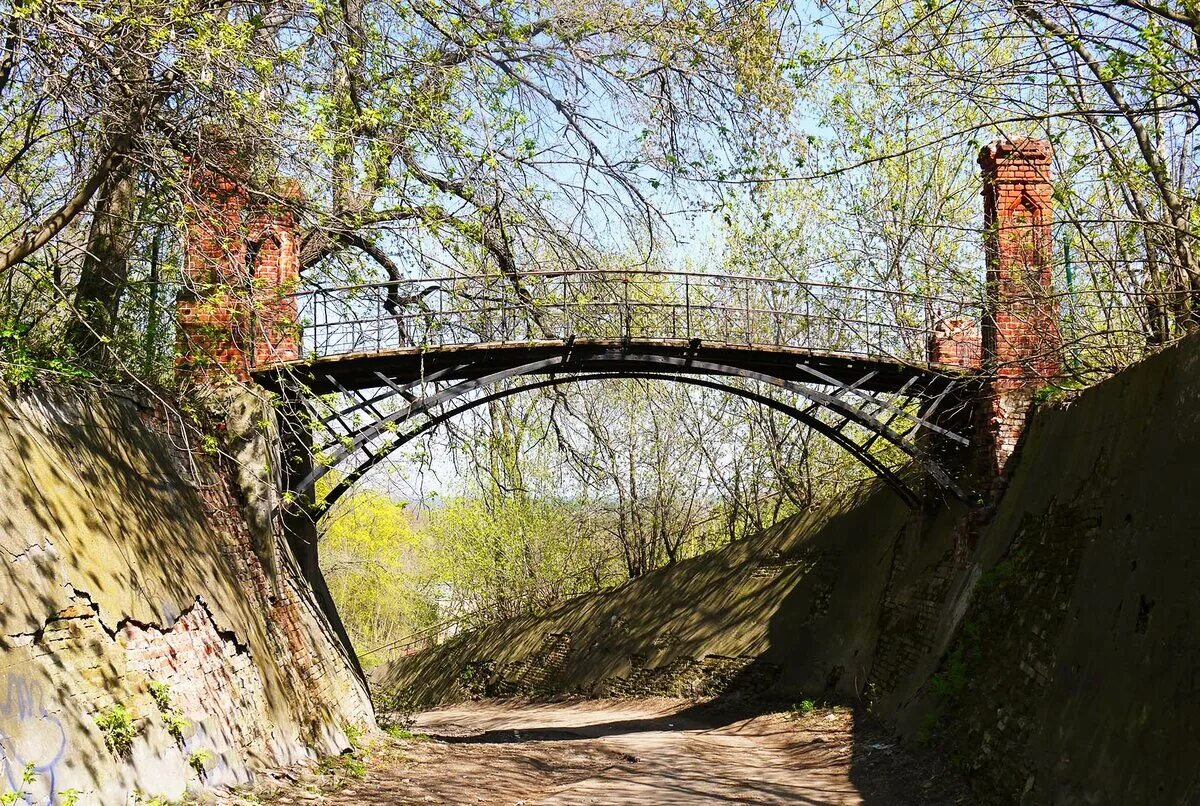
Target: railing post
(808, 317)
(566, 309)
(628, 321)
(674, 316)
(485, 320)
(319, 326)
(927, 335)
(687, 305)
(746, 312)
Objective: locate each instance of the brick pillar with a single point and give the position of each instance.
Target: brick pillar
(210, 310)
(955, 342)
(242, 259)
(1020, 336)
(274, 239)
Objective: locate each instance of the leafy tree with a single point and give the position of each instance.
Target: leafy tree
(371, 559)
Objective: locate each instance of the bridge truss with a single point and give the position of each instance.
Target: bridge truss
(386, 363)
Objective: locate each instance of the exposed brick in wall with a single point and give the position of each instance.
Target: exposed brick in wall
(213, 681)
(315, 673)
(242, 259)
(914, 604)
(1005, 654)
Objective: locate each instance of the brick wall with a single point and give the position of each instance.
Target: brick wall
(274, 236)
(209, 309)
(955, 342)
(304, 646)
(129, 559)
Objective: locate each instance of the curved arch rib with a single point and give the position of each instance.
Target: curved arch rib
(627, 364)
(890, 477)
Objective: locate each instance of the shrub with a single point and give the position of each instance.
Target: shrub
(175, 722)
(116, 723)
(199, 761)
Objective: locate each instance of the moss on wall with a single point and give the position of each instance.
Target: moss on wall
(1074, 676)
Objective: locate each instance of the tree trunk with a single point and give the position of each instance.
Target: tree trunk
(105, 272)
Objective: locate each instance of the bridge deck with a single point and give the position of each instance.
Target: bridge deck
(354, 371)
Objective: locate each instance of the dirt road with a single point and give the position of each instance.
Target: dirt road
(653, 752)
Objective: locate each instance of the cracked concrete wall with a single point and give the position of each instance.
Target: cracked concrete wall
(127, 558)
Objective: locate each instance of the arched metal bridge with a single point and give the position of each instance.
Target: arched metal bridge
(384, 363)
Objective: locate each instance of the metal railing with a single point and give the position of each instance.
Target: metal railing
(621, 305)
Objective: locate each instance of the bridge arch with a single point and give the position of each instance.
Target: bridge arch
(345, 484)
(892, 402)
(850, 351)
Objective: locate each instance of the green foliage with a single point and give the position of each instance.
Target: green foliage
(509, 556)
(354, 735)
(369, 555)
(176, 724)
(1048, 394)
(143, 799)
(397, 707)
(199, 760)
(401, 732)
(807, 707)
(28, 776)
(117, 725)
(950, 680)
(21, 359)
(69, 797)
(341, 766)
(161, 693)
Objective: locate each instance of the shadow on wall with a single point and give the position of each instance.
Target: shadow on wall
(124, 560)
(791, 613)
(1074, 676)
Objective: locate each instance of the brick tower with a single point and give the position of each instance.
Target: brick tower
(1017, 347)
(1021, 343)
(241, 260)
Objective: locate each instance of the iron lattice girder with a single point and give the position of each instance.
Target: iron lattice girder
(833, 433)
(848, 380)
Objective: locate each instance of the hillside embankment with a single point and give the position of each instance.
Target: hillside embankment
(1047, 646)
(142, 588)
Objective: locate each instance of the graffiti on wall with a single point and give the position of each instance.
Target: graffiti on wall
(33, 739)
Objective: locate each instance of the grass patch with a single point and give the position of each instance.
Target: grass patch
(401, 732)
(347, 765)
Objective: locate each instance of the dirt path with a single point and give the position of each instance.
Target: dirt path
(653, 752)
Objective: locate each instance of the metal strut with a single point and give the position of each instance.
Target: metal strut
(389, 431)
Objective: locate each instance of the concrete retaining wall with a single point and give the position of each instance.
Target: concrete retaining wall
(1049, 647)
(126, 558)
